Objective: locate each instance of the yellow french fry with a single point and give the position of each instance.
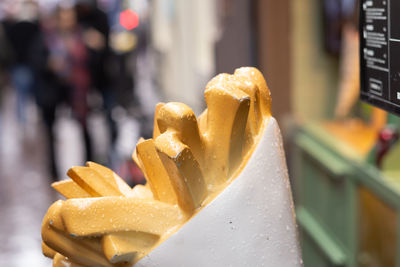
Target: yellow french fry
(155, 173)
(127, 246)
(106, 215)
(74, 249)
(111, 177)
(69, 189)
(61, 261)
(83, 251)
(135, 156)
(48, 252)
(202, 121)
(141, 191)
(181, 119)
(225, 134)
(92, 182)
(254, 75)
(156, 130)
(183, 170)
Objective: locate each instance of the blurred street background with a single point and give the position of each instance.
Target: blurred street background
(79, 81)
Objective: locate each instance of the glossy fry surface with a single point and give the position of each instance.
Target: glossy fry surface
(187, 163)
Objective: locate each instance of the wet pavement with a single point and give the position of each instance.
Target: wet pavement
(25, 193)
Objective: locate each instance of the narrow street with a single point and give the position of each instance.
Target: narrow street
(25, 192)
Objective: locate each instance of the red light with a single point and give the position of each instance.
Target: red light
(129, 19)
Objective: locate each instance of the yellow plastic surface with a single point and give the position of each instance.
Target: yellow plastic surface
(186, 164)
(92, 182)
(156, 175)
(127, 246)
(69, 189)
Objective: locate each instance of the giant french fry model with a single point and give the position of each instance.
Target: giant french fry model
(217, 191)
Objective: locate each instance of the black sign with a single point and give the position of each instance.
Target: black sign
(380, 53)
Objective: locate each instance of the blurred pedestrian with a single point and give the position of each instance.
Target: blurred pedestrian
(94, 24)
(6, 59)
(68, 68)
(22, 31)
(51, 90)
(96, 30)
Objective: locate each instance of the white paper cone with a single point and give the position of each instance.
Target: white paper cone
(251, 223)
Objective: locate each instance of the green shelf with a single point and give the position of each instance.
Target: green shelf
(346, 209)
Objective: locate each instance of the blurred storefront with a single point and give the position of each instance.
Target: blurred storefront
(183, 36)
(343, 153)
